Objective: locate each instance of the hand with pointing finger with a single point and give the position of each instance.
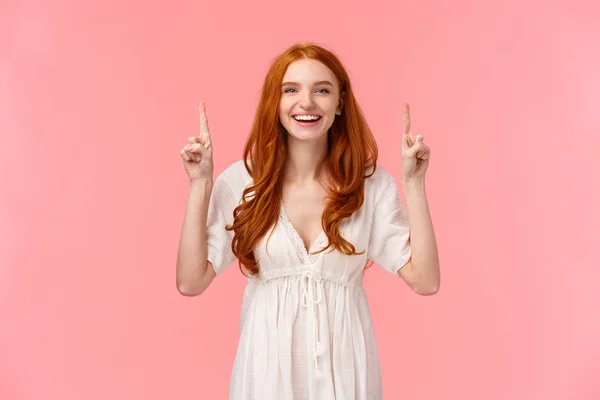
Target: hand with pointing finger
(198, 154)
(415, 153)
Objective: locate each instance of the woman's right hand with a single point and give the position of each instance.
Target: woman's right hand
(198, 153)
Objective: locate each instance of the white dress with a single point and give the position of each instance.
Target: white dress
(305, 326)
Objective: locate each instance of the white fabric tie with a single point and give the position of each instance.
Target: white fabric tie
(312, 295)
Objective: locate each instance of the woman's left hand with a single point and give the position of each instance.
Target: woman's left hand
(415, 153)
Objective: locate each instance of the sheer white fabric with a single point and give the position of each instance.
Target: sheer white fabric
(305, 325)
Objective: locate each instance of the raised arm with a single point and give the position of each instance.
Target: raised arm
(194, 272)
(422, 272)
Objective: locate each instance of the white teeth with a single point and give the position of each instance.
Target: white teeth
(306, 118)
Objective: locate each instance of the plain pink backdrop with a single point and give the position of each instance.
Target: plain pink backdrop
(97, 99)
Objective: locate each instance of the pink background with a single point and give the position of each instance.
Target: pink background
(97, 98)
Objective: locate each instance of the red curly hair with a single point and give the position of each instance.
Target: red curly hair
(352, 151)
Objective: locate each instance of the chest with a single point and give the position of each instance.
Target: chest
(304, 208)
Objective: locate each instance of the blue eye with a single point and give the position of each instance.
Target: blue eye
(288, 90)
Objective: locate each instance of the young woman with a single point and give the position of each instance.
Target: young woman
(304, 211)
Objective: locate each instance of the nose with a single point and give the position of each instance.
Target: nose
(306, 101)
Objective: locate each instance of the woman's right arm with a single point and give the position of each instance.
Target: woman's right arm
(194, 271)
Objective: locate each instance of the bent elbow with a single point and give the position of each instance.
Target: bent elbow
(428, 292)
(190, 291)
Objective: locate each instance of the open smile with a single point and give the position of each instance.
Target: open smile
(307, 119)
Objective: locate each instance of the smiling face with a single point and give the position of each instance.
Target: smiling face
(309, 99)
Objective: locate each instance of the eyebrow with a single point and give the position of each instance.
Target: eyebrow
(314, 83)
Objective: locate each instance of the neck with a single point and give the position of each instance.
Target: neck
(304, 158)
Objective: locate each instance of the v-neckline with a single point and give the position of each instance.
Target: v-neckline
(305, 254)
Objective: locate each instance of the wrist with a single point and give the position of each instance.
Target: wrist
(413, 184)
(202, 183)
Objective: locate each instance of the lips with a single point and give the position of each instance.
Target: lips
(307, 123)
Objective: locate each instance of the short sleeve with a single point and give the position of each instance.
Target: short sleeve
(389, 240)
(220, 214)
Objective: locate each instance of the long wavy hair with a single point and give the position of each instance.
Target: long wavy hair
(352, 151)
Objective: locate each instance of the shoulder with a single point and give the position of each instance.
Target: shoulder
(379, 181)
(235, 175)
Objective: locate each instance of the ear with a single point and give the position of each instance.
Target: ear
(341, 104)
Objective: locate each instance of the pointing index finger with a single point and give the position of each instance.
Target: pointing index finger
(203, 120)
(406, 128)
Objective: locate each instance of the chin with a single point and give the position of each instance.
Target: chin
(307, 135)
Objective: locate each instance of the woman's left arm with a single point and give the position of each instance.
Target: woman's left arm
(422, 271)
